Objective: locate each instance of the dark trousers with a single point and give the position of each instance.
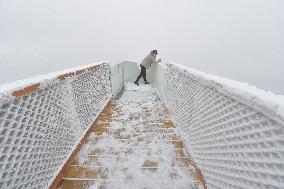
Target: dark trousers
(142, 74)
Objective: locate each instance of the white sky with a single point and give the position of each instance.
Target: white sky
(238, 39)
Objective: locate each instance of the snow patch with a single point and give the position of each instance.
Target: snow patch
(124, 159)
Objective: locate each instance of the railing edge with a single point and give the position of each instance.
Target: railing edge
(10, 91)
(256, 100)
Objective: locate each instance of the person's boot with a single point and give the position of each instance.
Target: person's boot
(136, 82)
(146, 82)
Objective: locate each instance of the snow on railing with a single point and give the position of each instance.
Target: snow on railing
(234, 132)
(43, 119)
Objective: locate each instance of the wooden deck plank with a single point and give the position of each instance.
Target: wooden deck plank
(161, 129)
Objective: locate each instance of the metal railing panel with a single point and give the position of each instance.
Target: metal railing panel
(42, 123)
(233, 136)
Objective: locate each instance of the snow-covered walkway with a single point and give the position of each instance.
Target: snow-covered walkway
(134, 145)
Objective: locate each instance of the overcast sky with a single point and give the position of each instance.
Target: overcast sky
(238, 39)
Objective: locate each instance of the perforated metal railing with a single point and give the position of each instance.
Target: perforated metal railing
(236, 143)
(41, 124)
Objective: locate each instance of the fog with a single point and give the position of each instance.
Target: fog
(238, 39)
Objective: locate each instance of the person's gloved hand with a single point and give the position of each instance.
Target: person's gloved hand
(159, 60)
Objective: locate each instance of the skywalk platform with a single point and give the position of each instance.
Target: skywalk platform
(134, 144)
(76, 128)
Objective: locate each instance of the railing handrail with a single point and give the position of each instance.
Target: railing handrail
(17, 88)
(41, 78)
(264, 101)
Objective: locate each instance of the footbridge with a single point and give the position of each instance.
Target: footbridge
(91, 127)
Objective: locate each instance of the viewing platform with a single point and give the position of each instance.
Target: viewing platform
(91, 127)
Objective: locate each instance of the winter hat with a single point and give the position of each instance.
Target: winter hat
(154, 51)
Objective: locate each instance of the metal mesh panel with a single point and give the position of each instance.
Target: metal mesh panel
(39, 130)
(90, 94)
(234, 144)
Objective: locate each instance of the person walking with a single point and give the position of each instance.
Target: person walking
(146, 64)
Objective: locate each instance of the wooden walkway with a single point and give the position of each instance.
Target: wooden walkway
(134, 144)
